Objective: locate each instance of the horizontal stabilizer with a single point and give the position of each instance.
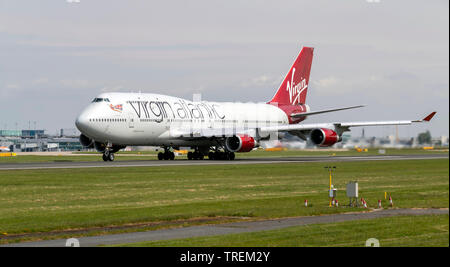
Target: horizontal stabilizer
(304, 114)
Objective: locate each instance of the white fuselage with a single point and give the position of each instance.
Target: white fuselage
(146, 119)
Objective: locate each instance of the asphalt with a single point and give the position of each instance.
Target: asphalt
(156, 163)
(228, 228)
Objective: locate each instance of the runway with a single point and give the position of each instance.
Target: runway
(228, 228)
(157, 163)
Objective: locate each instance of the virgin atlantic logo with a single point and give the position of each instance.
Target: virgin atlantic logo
(295, 90)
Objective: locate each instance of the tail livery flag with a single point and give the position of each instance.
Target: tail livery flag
(294, 87)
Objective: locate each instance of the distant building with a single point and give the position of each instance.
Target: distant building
(69, 132)
(33, 133)
(23, 133)
(10, 133)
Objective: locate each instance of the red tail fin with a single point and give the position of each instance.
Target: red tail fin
(294, 87)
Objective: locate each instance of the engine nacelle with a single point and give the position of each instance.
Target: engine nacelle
(86, 141)
(116, 148)
(240, 143)
(100, 147)
(324, 137)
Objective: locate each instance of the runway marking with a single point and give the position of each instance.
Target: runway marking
(76, 165)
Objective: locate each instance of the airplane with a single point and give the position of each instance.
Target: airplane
(217, 130)
(4, 149)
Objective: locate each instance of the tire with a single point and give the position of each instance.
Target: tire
(166, 156)
(172, 156)
(190, 155)
(104, 157)
(211, 155)
(160, 156)
(111, 157)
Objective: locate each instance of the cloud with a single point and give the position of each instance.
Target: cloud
(380, 54)
(327, 83)
(260, 81)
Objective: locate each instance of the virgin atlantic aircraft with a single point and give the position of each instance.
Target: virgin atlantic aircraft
(213, 129)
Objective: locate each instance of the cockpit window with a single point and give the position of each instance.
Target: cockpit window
(100, 100)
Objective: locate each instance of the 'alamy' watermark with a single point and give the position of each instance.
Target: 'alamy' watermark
(372, 242)
(72, 242)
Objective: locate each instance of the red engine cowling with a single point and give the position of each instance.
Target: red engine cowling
(240, 143)
(324, 137)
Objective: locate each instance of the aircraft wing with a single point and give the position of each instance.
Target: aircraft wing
(344, 124)
(301, 130)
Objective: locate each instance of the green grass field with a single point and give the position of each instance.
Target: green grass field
(47, 200)
(402, 231)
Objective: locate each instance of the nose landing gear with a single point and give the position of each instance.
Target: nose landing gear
(108, 156)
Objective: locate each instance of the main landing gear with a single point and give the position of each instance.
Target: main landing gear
(167, 155)
(195, 155)
(218, 155)
(211, 155)
(108, 156)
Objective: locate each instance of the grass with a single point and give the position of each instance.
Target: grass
(402, 231)
(50, 200)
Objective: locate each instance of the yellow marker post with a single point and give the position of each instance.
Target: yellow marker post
(385, 195)
(330, 170)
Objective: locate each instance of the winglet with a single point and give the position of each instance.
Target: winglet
(427, 118)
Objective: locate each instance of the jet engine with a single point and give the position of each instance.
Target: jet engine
(324, 137)
(240, 143)
(116, 148)
(86, 141)
(100, 147)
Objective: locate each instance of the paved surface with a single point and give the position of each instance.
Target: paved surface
(151, 163)
(229, 228)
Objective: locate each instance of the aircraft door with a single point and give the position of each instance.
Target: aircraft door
(130, 120)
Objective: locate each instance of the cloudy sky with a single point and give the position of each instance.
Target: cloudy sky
(393, 55)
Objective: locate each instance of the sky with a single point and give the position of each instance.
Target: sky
(391, 55)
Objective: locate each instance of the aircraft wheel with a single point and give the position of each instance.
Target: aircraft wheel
(190, 155)
(104, 157)
(111, 157)
(167, 156)
(160, 156)
(211, 155)
(172, 156)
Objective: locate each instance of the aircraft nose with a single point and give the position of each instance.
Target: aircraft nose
(82, 122)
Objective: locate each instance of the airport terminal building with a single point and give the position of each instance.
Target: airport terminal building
(37, 141)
